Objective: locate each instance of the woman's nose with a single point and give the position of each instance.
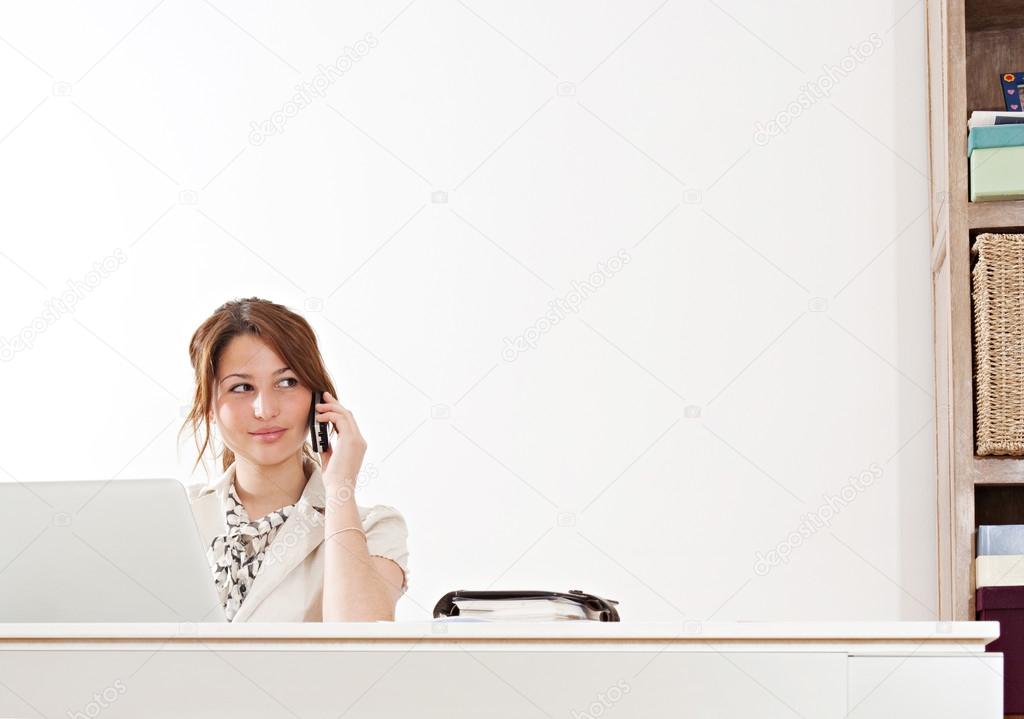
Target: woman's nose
(264, 407)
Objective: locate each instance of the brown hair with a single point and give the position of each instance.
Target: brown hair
(286, 332)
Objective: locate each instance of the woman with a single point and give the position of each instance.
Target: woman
(264, 521)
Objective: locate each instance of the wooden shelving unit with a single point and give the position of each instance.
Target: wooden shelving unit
(970, 44)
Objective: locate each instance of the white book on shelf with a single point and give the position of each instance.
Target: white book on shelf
(981, 118)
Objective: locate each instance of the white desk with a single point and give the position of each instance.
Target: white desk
(570, 670)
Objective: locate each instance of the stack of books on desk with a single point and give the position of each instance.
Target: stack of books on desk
(519, 610)
(530, 605)
(995, 152)
(999, 596)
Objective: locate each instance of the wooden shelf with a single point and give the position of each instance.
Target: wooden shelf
(983, 15)
(998, 470)
(970, 44)
(991, 215)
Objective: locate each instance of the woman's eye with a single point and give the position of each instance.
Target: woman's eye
(286, 379)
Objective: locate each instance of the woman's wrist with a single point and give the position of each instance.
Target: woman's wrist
(332, 533)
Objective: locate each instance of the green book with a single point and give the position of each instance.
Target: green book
(997, 174)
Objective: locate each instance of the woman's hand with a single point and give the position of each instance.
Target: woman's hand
(349, 444)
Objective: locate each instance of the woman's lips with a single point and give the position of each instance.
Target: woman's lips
(269, 436)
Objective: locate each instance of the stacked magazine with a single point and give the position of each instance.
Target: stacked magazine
(526, 606)
(519, 610)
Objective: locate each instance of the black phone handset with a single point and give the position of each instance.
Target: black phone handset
(321, 443)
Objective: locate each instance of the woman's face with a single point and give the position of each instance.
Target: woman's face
(256, 392)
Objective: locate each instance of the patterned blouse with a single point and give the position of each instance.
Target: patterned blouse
(236, 557)
(237, 548)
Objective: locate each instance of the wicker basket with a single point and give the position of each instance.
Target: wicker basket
(998, 294)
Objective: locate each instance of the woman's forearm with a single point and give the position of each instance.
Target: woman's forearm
(353, 590)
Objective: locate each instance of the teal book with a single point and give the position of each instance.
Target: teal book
(990, 136)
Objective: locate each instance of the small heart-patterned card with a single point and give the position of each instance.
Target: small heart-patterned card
(1013, 89)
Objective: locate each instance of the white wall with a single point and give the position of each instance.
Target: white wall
(768, 339)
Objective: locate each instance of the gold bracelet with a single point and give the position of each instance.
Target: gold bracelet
(346, 529)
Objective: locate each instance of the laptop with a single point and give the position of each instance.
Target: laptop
(122, 550)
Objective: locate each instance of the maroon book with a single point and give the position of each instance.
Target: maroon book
(1006, 606)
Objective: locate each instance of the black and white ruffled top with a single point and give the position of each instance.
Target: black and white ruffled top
(239, 549)
(236, 557)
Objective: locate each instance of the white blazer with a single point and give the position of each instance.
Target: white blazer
(289, 586)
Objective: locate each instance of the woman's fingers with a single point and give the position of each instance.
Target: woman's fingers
(331, 404)
(333, 411)
(328, 407)
(332, 417)
(342, 420)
